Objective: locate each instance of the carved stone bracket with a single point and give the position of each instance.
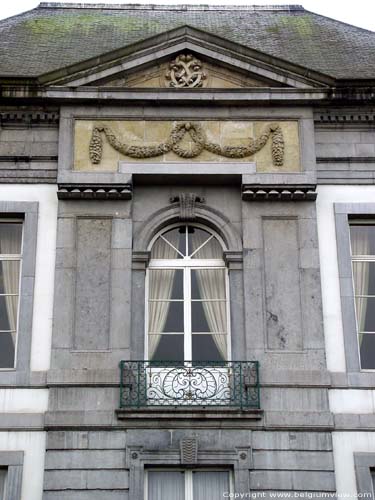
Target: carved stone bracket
(189, 450)
(94, 192)
(187, 205)
(279, 193)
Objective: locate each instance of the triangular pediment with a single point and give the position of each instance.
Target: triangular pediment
(185, 58)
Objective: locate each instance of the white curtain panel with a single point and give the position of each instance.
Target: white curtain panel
(360, 246)
(166, 485)
(160, 287)
(10, 244)
(210, 485)
(211, 284)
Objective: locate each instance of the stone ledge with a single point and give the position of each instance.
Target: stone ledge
(265, 192)
(94, 192)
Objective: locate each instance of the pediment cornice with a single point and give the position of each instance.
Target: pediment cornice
(270, 71)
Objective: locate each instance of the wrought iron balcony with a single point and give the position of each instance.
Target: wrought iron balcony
(232, 384)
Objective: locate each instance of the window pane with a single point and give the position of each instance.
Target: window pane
(209, 316)
(196, 238)
(8, 312)
(10, 238)
(362, 239)
(177, 237)
(166, 284)
(208, 284)
(7, 349)
(209, 347)
(166, 317)
(166, 347)
(210, 485)
(3, 474)
(367, 350)
(166, 485)
(9, 276)
(211, 250)
(161, 250)
(365, 309)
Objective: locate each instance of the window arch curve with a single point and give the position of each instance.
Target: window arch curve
(187, 296)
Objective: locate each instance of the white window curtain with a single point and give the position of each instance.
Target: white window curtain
(211, 284)
(166, 485)
(360, 246)
(10, 245)
(210, 485)
(160, 287)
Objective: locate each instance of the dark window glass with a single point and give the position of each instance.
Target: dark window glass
(170, 347)
(205, 348)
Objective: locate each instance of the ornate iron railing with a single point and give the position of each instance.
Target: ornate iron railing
(176, 383)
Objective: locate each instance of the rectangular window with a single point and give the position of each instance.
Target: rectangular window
(187, 484)
(10, 271)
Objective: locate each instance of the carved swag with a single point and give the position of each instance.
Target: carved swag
(200, 143)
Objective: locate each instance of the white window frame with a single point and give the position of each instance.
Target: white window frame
(188, 477)
(187, 264)
(14, 258)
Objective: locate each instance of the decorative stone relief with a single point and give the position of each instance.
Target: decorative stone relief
(199, 140)
(185, 71)
(187, 205)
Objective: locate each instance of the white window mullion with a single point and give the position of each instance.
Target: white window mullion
(188, 485)
(187, 314)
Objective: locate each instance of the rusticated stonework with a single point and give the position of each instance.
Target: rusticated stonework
(100, 145)
(185, 71)
(200, 143)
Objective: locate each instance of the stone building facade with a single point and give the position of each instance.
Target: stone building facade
(186, 244)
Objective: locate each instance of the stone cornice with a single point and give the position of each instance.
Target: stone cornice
(279, 192)
(94, 192)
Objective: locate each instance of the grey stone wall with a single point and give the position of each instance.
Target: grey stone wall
(28, 146)
(345, 146)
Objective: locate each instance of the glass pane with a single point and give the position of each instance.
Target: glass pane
(365, 309)
(166, 284)
(166, 347)
(211, 250)
(3, 475)
(362, 239)
(7, 346)
(210, 485)
(209, 347)
(8, 312)
(10, 238)
(196, 238)
(208, 284)
(364, 278)
(177, 237)
(166, 485)
(367, 350)
(9, 277)
(166, 317)
(208, 316)
(161, 250)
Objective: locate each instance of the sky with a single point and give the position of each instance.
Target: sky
(358, 12)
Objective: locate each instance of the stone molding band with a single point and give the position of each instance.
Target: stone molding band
(200, 143)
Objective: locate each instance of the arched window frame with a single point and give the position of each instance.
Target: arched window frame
(188, 263)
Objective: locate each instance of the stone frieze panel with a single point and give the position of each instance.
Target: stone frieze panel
(100, 145)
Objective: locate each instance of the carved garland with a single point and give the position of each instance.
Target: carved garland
(200, 143)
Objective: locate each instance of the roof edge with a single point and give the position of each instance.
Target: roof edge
(185, 7)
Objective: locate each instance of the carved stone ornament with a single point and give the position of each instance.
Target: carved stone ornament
(187, 205)
(189, 450)
(199, 139)
(185, 72)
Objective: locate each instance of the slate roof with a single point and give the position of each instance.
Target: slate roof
(53, 36)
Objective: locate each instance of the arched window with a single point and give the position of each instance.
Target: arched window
(187, 296)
